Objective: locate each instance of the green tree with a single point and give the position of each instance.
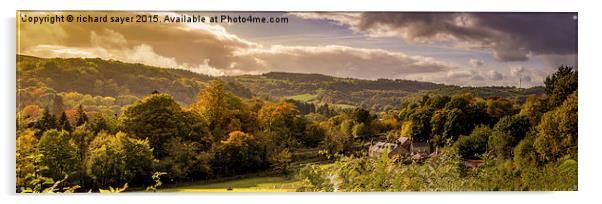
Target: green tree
(360, 131)
(560, 85)
(58, 154)
(474, 144)
(81, 116)
(456, 123)
(525, 153)
(81, 138)
(186, 159)
(557, 131)
(114, 160)
(420, 128)
(240, 153)
(533, 108)
(27, 150)
(63, 123)
(361, 115)
(156, 117)
(507, 133)
(46, 122)
(313, 135)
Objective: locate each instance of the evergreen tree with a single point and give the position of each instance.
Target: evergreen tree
(81, 116)
(63, 123)
(46, 122)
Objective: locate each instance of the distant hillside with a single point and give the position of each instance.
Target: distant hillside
(99, 77)
(372, 94)
(110, 78)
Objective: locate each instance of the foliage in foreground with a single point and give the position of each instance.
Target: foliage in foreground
(444, 172)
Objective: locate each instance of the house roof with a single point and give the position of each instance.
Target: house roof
(383, 145)
(402, 140)
(420, 144)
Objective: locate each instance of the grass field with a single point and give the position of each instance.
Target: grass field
(254, 184)
(304, 97)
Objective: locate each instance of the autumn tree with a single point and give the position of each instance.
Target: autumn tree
(223, 111)
(282, 121)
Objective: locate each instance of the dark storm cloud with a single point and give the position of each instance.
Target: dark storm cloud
(510, 36)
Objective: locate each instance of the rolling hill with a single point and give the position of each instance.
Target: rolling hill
(98, 77)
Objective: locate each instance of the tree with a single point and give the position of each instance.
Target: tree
(557, 131)
(507, 133)
(283, 121)
(156, 117)
(360, 131)
(474, 144)
(525, 153)
(437, 101)
(560, 85)
(361, 115)
(456, 123)
(27, 150)
(58, 154)
(81, 137)
(240, 153)
(57, 105)
(420, 127)
(46, 122)
(81, 117)
(114, 160)
(219, 108)
(193, 128)
(497, 108)
(102, 122)
(63, 123)
(186, 159)
(334, 142)
(281, 161)
(313, 135)
(534, 108)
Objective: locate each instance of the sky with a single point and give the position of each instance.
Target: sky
(467, 49)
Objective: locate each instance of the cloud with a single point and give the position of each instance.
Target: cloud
(509, 36)
(528, 76)
(476, 62)
(460, 74)
(555, 61)
(494, 75)
(187, 44)
(211, 49)
(339, 61)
